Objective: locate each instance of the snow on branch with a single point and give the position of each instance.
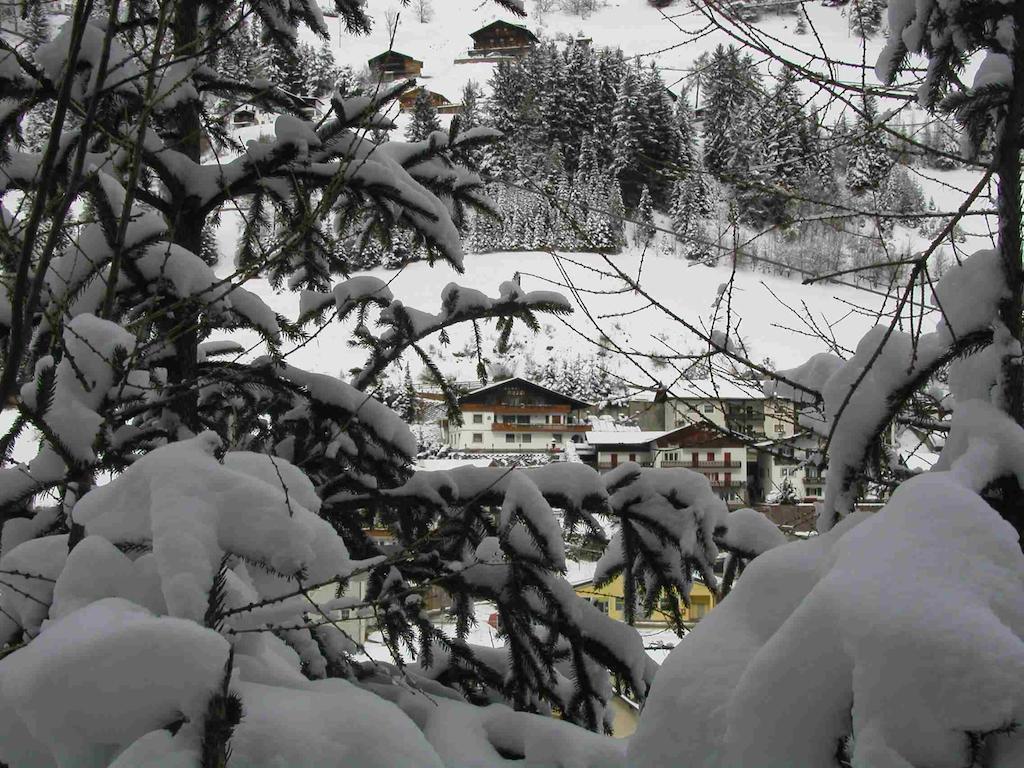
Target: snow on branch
(862, 394)
(406, 325)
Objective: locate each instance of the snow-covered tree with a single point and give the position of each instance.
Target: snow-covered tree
(869, 163)
(643, 231)
(213, 559)
(888, 689)
(424, 118)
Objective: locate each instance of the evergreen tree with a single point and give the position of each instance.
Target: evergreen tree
(38, 26)
(630, 121)
(870, 162)
(643, 231)
(732, 124)
(866, 16)
(322, 74)
(409, 398)
(660, 145)
(785, 135)
(191, 515)
(471, 115)
(424, 118)
(902, 194)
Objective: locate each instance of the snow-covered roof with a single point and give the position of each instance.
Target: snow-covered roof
(438, 465)
(579, 572)
(623, 438)
(699, 389)
(714, 389)
(576, 402)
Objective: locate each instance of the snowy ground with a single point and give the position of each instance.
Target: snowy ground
(767, 328)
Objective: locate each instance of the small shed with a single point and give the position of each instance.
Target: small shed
(408, 99)
(392, 65)
(504, 37)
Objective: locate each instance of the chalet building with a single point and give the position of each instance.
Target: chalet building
(723, 460)
(516, 415)
(392, 65)
(502, 39)
(609, 449)
(408, 99)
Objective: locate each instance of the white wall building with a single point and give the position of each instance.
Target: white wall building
(517, 415)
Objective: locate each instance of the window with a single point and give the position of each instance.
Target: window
(694, 459)
(515, 395)
(478, 437)
(478, 418)
(709, 408)
(556, 437)
(784, 472)
(509, 437)
(523, 418)
(556, 418)
(780, 427)
(619, 605)
(632, 457)
(508, 419)
(601, 605)
(711, 455)
(527, 438)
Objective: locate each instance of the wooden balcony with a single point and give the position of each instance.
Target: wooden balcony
(553, 428)
(702, 464)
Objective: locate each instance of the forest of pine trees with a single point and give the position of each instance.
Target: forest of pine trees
(590, 134)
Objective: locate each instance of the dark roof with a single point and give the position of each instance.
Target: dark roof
(573, 402)
(500, 23)
(389, 55)
(698, 435)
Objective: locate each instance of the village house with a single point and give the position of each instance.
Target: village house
(440, 102)
(610, 599)
(720, 458)
(500, 40)
(516, 415)
(392, 65)
(776, 443)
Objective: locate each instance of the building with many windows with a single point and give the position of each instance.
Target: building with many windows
(516, 415)
(717, 456)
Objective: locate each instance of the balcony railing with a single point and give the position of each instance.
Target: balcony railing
(502, 427)
(703, 464)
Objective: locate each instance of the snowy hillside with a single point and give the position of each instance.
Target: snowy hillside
(767, 329)
(671, 40)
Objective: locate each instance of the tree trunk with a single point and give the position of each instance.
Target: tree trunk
(186, 224)
(1009, 498)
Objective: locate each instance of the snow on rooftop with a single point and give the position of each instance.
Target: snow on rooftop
(579, 572)
(623, 438)
(443, 465)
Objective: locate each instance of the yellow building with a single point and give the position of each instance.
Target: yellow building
(609, 599)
